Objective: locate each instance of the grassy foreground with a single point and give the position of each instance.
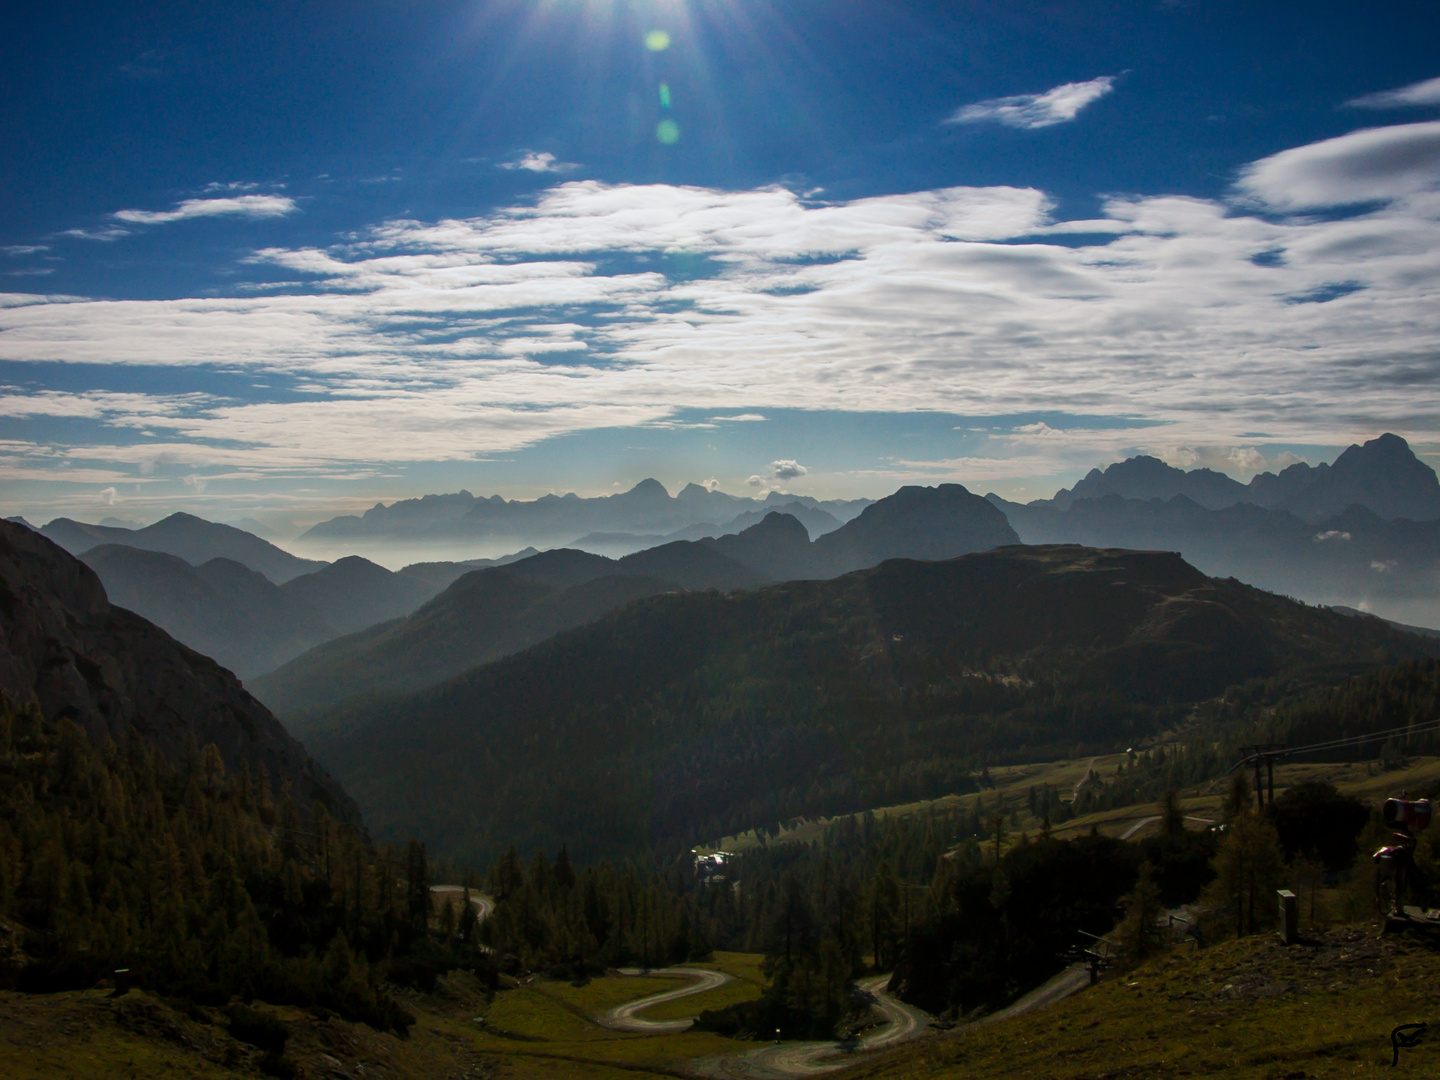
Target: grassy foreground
(536, 1030)
(1245, 1009)
(1249, 1009)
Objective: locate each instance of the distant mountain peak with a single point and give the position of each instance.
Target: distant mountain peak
(1383, 475)
(650, 488)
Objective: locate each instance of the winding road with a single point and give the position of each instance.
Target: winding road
(623, 1018)
(902, 1023)
(1128, 833)
(483, 905)
(1073, 979)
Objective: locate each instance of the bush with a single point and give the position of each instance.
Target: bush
(278, 1065)
(262, 1030)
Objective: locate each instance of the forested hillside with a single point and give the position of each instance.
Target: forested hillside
(485, 615)
(67, 650)
(691, 716)
(195, 879)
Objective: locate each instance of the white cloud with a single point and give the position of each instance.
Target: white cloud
(1179, 457)
(250, 206)
(1416, 94)
(460, 338)
(1363, 166)
(742, 418)
(1245, 458)
(711, 485)
(756, 481)
(1331, 535)
(1286, 459)
(107, 234)
(109, 494)
(787, 469)
(216, 186)
(17, 250)
(543, 162)
(1055, 106)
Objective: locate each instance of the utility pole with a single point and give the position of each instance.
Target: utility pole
(1258, 755)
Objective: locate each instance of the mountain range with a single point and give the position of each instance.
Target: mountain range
(491, 613)
(646, 510)
(68, 651)
(1370, 549)
(1384, 476)
(191, 538)
(688, 715)
(240, 599)
(817, 523)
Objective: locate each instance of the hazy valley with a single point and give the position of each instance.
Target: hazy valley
(572, 732)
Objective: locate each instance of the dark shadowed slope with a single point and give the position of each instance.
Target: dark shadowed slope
(191, 538)
(353, 593)
(696, 714)
(68, 648)
(222, 609)
(1347, 558)
(919, 522)
(483, 616)
(914, 523)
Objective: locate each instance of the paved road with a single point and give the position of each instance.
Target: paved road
(1089, 772)
(902, 1023)
(1072, 979)
(483, 905)
(623, 1018)
(1128, 833)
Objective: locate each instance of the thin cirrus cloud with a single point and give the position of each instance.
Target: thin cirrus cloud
(249, 206)
(1058, 105)
(1416, 95)
(429, 341)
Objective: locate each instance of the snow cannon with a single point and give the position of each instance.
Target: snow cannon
(1411, 815)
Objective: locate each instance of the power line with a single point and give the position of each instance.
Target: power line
(1339, 744)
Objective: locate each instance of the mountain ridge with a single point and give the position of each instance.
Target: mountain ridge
(189, 537)
(918, 522)
(1383, 475)
(878, 686)
(68, 650)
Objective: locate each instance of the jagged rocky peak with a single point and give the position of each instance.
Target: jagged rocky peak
(1383, 475)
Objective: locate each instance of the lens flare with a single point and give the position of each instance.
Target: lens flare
(667, 132)
(657, 41)
(665, 95)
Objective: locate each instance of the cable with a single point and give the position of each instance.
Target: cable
(1341, 743)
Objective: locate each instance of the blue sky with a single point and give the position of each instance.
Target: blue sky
(292, 259)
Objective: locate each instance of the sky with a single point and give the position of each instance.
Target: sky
(288, 260)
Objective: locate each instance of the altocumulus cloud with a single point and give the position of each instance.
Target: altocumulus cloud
(446, 340)
(1057, 105)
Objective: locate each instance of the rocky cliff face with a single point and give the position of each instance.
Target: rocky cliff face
(65, 646)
